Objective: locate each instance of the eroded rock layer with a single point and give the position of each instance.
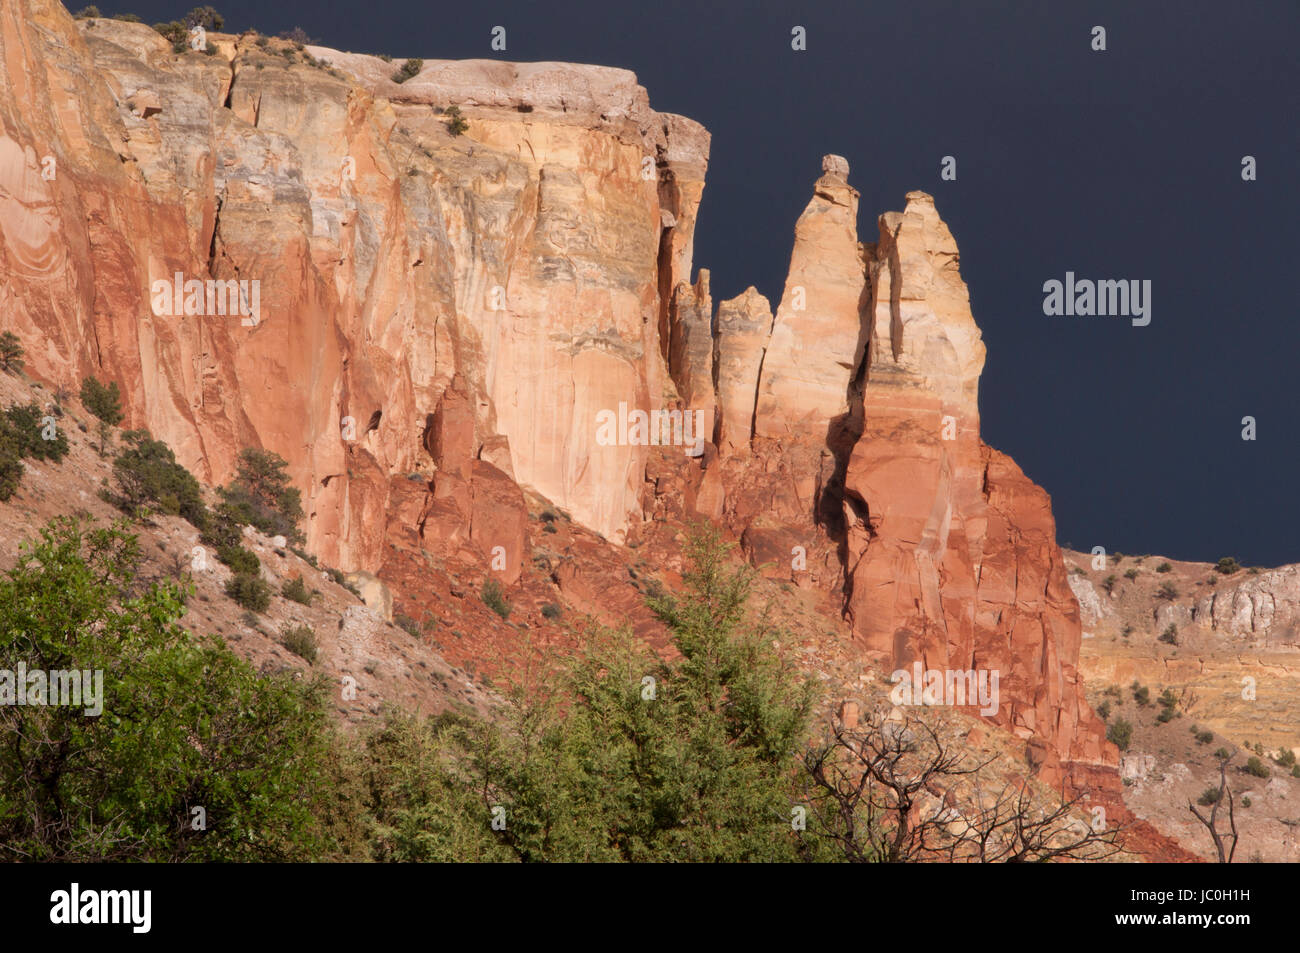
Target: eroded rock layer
(443, 320)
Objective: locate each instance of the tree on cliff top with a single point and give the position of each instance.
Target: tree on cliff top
(206, 17)
(262, 495)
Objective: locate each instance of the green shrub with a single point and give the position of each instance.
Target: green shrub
(11, 353)
(301, 641)
(11, 471)
(494, 598)
(1286, 758)
(1166, 715)
(1141, 694)
(549, 528)
(551, 610)
(1120, 734)
(1164, 567)
(206, 17)
(242, 561)
(1257, 767)
(1228, 565)
(408, 70)
(222, 528)
(27, 429)
(249, 591)
(458, 124)
(297, 590)
(1109, 583)
(105, 402)
(1204, 737)
(1209, 797)
(1168, 591)
(262, 496)
(1130, 574)
(88, 13)
(23, 432)
(147, 472)
(1103, 711)
(185, 722)
(408, 624)
(606, 774)
(1170, 635)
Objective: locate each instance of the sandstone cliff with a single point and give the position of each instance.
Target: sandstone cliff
(443, 318)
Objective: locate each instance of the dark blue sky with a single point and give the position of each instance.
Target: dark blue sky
(1122, 164)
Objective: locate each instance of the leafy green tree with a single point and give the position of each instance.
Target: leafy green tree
(27, 431)
(249, 591)
(105, 402)
(184, 723)
(628, 756)
(24, 433)
(423, 799)
(11, 352)
(261, 495)
(206, 17)
(147, 472)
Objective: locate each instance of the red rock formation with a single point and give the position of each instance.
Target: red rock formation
(460, 309)
(948, 551)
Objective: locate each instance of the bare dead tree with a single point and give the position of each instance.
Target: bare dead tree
(1211, 823)
(893, 791)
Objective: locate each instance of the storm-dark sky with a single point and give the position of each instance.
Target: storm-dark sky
(1117, 164)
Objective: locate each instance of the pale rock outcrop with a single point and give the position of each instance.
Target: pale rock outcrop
(817, 337)
(951, 549)
(374, 593)
(744, 323)
(1264, 605)
(690, 347)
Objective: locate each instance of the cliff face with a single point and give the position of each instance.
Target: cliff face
(463, 309)
(390, 255)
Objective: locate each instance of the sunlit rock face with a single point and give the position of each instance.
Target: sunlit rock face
(527, 255)
(441, 320)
